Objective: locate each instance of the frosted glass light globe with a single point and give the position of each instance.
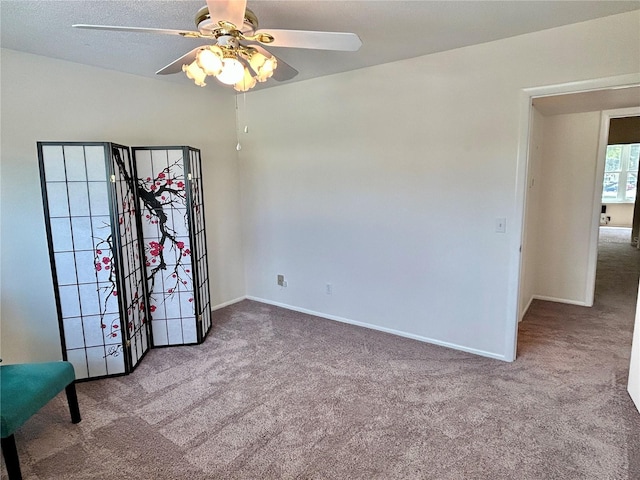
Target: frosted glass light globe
(195, 73)
(210, 60)
(232, 71)
(247, 82)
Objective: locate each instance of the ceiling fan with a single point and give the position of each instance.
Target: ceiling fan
(235, 55)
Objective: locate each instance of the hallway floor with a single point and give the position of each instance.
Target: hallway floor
(592, 346)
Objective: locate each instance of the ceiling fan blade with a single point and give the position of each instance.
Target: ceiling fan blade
(176, 65)
(164, 31)
(283, 71)
(231, 11)
(348, 42)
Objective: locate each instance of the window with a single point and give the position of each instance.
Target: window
(621, 173)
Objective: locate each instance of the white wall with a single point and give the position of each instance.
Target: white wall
(532, 214)
(46, 99)
(390, 189)
(621, 214)
(570, 151)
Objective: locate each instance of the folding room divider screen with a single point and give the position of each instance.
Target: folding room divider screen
(172, 214)
(94, 204)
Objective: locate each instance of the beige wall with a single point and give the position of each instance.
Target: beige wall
(390, 190)
(50, 100)
(621, 214)
(570, 151)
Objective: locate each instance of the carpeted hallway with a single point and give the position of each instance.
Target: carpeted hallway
(277, 394)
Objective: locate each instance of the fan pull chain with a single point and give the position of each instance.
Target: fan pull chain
(246, 114)
(238, 146)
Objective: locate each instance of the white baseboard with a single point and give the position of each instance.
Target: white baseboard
(226, 304)
(399, 333)
(561, 300)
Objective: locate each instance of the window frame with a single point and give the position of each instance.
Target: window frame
(624, 174)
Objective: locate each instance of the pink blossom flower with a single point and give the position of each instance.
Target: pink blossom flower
(180, 245)
(161, 175)
(98, 266)
(180, 185)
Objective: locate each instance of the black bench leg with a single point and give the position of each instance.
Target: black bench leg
(10, 454)
(72, 398)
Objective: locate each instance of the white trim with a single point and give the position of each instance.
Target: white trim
(226, 304)
(522, 164)
(380, 329)
(594, 229)
(620, 81)
(561, 300)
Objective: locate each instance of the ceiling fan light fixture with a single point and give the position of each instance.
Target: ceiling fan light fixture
(209, 59)
(195, 73)
(247, 82)
(232, 70)
(266, 71)
(262, 65)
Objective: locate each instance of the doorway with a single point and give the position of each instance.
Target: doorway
(566, 167)
(562, 198)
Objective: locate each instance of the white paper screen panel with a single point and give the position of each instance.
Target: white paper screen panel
(89, 196)
(168, 226)
(75, 186)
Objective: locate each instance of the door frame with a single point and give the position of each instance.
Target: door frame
(522, 165)
(603, 141)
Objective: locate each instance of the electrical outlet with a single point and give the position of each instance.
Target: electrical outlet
(328, 289)
(281, 281)
(501, 225)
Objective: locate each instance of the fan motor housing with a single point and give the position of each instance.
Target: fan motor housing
(205, 24)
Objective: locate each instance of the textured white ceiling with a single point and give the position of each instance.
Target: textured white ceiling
(390, 30)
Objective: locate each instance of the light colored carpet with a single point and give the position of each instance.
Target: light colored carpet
(277, 394)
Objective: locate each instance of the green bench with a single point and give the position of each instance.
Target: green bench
(25, 389)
